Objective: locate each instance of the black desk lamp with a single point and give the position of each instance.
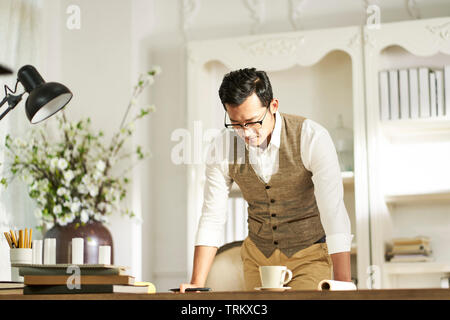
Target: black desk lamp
(44, 98)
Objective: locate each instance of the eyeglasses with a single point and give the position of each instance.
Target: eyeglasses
(255, 125)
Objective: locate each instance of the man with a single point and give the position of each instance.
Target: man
(290, 178)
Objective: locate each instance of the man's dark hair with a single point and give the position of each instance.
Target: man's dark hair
(240, 84)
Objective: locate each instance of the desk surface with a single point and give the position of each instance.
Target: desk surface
(391, 294)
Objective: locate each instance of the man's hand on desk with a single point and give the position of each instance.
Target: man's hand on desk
(185, 286)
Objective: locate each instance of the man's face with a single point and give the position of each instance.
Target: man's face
(249, 111)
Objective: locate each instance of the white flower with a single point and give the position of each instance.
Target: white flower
(20, 143)
(93, 190)
(86, 180)
(70, 217)
(53, 163)
(75, 206)
(82, 189)
(100, 165)
(38, 213)
(68, 175)
(62, 221)
(84, 216)
(157, 70)
(98, 216)
(57, 209)
(97, 175)
(151, 108)
(62, 191)
(62, 164)
(49, 224)
(28, 179)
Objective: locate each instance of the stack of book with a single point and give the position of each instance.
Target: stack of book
(416, 249)
(88, 278)
(414, 93)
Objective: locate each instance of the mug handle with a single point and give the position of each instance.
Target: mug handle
(289, 272)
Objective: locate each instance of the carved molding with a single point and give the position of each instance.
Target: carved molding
(413, 9)
(258, 13)
(190, 9)
(297, 7)
(354, 41)
(442, 31)
(273, 46)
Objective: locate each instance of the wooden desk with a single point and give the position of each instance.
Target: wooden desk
(391, 294)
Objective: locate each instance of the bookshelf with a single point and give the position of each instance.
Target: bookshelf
(408, 158)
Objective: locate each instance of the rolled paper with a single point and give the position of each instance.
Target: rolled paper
(77, 251)
(334, 285)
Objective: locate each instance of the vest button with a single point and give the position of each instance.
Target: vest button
(273, 214)
(274, 227)
(267, 187)
(272, 200)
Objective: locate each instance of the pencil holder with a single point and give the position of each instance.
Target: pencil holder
(19, 256)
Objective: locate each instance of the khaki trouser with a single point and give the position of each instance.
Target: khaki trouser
(309, 266)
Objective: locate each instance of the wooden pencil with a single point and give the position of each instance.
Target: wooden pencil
(20, 238)
(30, 238)
(14, 239)
(8, 239)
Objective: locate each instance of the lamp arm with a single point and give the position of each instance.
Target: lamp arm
(12, 100)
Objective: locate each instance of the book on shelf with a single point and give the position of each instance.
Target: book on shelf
(411, 258)
(394, 95)
(102, 288)
(84, 279)
(433, 97)
(414, 93)
(440, 93)
(404, 93)
(447, 89)
(424, 92)
(410, 240)
(415, 249)
(384, 96)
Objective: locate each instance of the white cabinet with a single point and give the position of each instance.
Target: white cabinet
(409, 159)
(401, 181)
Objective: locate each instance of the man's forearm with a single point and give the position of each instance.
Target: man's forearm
(203, 259)
(341, 266)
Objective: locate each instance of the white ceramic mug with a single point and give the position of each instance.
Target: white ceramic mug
(274, 276)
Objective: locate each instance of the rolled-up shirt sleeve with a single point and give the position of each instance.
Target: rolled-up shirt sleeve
(211, 225)
(320, 158)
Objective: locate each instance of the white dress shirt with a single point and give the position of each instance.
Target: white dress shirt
(319, 157)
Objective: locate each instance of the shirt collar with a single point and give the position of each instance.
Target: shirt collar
(276, 134)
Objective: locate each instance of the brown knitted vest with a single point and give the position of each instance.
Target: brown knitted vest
(282, 213)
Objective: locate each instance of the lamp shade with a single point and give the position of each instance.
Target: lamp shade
(44, 98)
